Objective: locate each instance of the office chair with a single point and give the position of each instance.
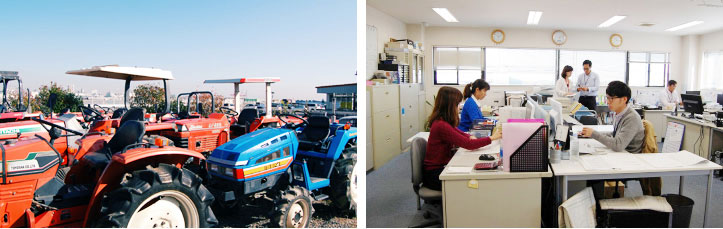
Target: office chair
(432, 212)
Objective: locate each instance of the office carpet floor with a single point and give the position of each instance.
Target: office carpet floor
(391, 202)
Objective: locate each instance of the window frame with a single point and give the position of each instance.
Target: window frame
(556, 76)
(457, 69)
(649, 62)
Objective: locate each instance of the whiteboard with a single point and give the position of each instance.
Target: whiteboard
(372, 56)
(673, 137)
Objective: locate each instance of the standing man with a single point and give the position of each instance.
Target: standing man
(670, 98)
(587, 85)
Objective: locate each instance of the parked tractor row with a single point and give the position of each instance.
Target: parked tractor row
(128, 168)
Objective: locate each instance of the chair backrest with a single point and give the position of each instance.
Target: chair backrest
(649, 143)
(419, 149)
(136, 114)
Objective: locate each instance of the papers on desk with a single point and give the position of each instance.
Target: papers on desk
(615, 161)
(578, 211)
(655, 203)
(671, 160)
(591, 146)
(629, 161)
(458, 169)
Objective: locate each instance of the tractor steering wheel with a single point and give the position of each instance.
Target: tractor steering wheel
(105, 109)
(292, 125)
(90, 114)
(228, 111)
(56, 126)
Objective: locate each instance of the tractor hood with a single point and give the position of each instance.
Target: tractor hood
(249, 147)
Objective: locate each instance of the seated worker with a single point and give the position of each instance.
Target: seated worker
(628, 132)
(443, 136)
(670, 98)
(474, 91)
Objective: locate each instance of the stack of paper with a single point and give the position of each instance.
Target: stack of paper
(578, 211)
(655, 203)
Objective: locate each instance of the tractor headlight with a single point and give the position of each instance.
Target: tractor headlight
(229, 172)
(242, 163)
(214, 167)
(181, 128)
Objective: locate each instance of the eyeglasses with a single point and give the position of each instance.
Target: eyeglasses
(586, 69)
(611, 98)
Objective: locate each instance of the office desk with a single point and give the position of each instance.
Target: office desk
(692, 136)
(569, 170)
(501, 199)
(657, 117)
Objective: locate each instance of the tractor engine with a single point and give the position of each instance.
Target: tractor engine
(252, 163)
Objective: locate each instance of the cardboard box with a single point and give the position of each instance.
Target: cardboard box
(610, 189)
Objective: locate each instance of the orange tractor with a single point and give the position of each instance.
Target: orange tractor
(120, 180)
(196, 132)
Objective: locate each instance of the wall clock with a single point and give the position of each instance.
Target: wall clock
(559, 37)
(498, 36)
(616, 40)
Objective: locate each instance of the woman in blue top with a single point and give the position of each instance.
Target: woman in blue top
(472, 92)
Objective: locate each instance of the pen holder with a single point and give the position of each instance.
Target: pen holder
(555, 156)
(564, 154)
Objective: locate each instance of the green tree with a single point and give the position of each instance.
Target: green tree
(150, 97)
(66, 99)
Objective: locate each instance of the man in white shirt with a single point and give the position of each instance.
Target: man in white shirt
(670, 98)
(587, 84)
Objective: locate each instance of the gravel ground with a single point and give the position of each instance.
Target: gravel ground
(325, 215)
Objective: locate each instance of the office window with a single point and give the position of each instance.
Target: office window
(712, 71)
(648, 69)
(456, 65)
(609, 65)
(507, 66)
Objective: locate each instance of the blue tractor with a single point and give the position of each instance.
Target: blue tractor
(291, 166)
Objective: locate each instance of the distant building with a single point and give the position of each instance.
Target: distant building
(340, 99)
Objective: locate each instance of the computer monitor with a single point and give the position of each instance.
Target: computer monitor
(720, 99)
(692, 103)
(692, 92)
(557, 107)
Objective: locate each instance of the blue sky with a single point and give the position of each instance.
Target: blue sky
(305, 43)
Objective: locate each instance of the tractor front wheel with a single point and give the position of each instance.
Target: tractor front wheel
(293, 208)
(161, 196)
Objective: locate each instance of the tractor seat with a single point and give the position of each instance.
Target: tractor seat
(136, 114)
(314, 133)
(183, 115)
(118, 113)
(245, 118)
(131, 132)
(199, 109)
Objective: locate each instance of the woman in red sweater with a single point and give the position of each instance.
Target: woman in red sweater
(444, 136)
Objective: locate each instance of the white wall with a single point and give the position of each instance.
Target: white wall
(540, 38)
(387, 27)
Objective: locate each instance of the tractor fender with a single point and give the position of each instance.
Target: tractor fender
(130, 161)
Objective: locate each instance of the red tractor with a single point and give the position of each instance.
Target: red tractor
(121, 180)
(196, 132)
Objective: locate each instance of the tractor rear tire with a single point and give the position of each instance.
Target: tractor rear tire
(292, 208)
(343, 182)
(160, 196)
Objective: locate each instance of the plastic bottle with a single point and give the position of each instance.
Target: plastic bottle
(574, 147)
